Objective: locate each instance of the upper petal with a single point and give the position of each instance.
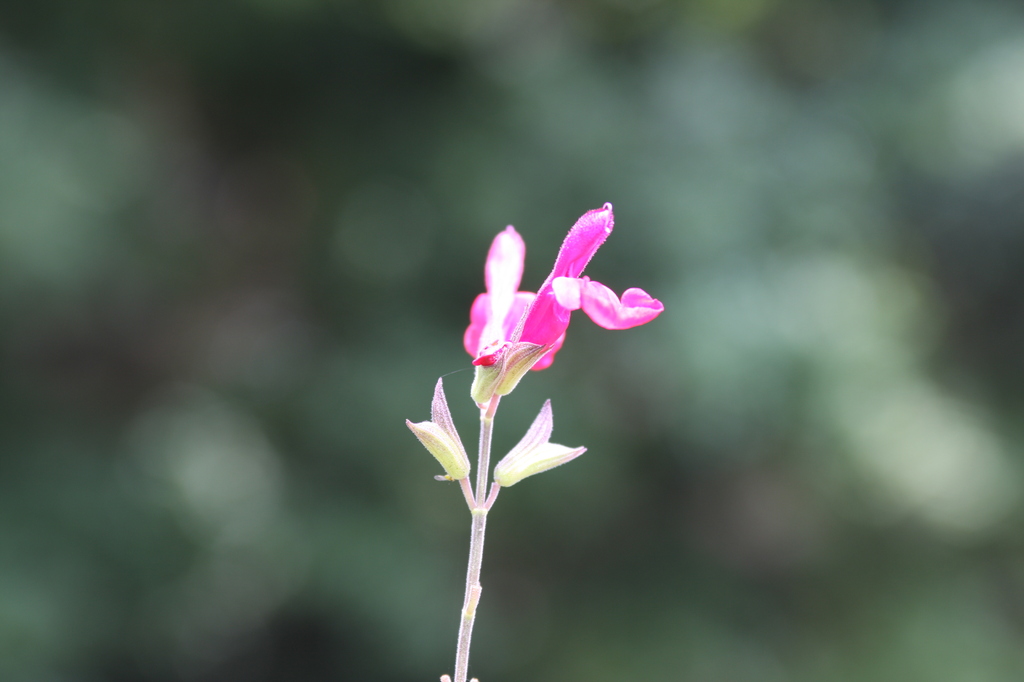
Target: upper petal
(604, 307)
(583, 241)
(547, 318)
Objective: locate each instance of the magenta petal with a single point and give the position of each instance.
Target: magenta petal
(479, 334)
(504, 268)
(549, 357)
(503, 272)
(520, 303)
(494, 315)
(546, 320)
(568, 291)
(583, 241)
(478, 316)
(505, 316)
(602, 306)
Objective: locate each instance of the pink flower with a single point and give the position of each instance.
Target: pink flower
(504, 315)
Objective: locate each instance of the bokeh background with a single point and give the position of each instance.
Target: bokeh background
(238, 244)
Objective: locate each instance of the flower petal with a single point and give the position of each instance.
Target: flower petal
(478, 316)
(606, 310)
(545, 361)
(521, 302)
(567, 291)
(504, 317)
(547, 319)
(502, 273)
(583, 241)
(504, 268)
(549, 357)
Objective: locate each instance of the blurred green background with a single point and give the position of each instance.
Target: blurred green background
(238, 243)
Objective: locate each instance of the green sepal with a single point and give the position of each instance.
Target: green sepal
(535, 453)
(515, 360)
(440, 437)
(484, 382)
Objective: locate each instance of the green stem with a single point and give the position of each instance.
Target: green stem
(476, 542)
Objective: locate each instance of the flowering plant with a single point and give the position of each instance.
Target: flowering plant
(510, 333)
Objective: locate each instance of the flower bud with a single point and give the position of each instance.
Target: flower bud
(534, 453)
(441, 439)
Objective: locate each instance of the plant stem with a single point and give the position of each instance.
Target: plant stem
(476, 542)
